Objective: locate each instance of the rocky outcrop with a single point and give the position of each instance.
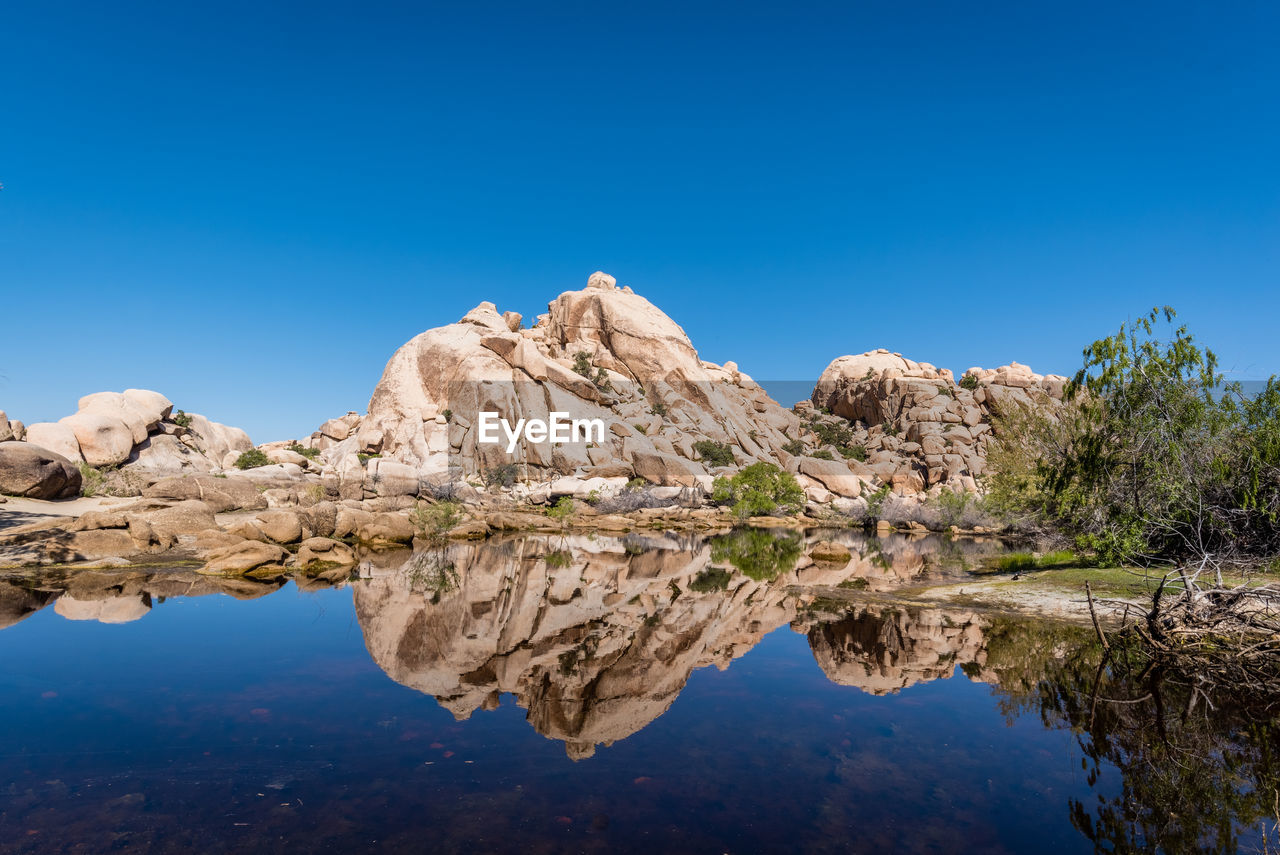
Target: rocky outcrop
(918, 427)
(602, 352)
(10, 430)
(35, 472)
(137, 431)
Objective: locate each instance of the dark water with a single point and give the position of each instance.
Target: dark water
(540, 695)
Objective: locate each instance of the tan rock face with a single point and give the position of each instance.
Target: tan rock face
(920, 427)
(35, 472)
(244, 557)
(58, 438)
(104, 440)
(643, 380)
(222, 494)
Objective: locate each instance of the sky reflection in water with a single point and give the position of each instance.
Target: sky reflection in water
(227, 725)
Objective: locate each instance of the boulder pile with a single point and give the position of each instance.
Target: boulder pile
(917, 427)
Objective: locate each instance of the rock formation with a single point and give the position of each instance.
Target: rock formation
(136, 431)
(920, 429)
(602, 352)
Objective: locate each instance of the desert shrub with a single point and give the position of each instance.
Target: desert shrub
(758, 489)
(562, 510)
(969, 381)
(831, 433)
(658, 407)
(854, 452)
(711, 579)
(823, 454)
(759, 554)
(252, 459)
(795, 448)
(503, 475)
(951, 505)
(714, 453)
(876, 502)
(582, 363)
(365, 456)
(447, 413)
(434, 521)
(92, 481)
(309, 453)
(181, 419)
(641, 429)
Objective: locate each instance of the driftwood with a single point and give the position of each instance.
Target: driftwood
(1214, 631)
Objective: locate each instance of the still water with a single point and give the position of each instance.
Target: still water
(547, 694)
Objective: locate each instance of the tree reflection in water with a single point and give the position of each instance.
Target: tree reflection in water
(1197, 761)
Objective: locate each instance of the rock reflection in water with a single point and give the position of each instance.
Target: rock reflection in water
(595, 637)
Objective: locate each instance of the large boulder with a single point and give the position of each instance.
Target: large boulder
(36, 473)
(241, 558)
(115, 405)
(57, 437)
(104, 439)
(222, 494)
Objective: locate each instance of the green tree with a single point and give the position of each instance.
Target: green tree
(1152, 458)
(758, 489)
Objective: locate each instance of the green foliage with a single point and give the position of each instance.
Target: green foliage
(92, 481)
(711, 579)
(1153, 459)
(758, 489)
(447, 413)
(642, 429)
(309, 453)
(759, 554)
(838, 434)
(658, 407)
(635, 484)
(823, 454)
(969, 381)
(181, 419)
(500, 476)
(364, 457)
(854, 452)
(795, 448)
(252, 459)
(714, 453)
(582, 363)
(875, 502)
(433, 522)
(562, 510)
(951, 505)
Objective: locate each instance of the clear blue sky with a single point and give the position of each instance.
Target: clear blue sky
(248, 207)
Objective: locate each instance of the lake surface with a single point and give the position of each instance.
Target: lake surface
(546, 694)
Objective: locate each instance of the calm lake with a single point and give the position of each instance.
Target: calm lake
(648, 694)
